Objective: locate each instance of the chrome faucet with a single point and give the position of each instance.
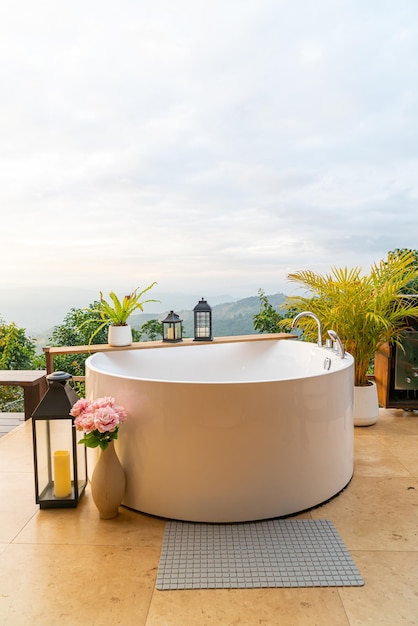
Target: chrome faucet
(336, 340)
(317, 320)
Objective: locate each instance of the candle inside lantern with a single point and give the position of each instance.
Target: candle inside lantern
(170, 333)
(62, 474)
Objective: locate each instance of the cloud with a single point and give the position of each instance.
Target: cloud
(215, 144)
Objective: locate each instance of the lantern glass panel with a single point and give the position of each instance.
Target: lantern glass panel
(54, 454)
(169, 331)
(81, 454)
(203, 324)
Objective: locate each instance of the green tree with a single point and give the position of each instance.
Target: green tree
(268, 318)
(76, 330)
(77, 327)
(151, 330)
(17, 352)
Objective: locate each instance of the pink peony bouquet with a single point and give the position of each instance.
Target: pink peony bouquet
(99, 420)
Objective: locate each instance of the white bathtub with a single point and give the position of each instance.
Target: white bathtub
(230, 432)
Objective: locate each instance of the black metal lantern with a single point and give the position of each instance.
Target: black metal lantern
(202, 321)
(172, 328)
(60, 463)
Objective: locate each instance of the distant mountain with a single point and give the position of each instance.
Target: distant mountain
(38, 309)
(231, 318)
(228, 319)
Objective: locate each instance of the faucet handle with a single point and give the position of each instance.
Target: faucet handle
(337, 343)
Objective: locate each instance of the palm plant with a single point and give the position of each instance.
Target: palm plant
(366, 311)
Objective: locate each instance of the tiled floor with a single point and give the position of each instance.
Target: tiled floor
(70, 567)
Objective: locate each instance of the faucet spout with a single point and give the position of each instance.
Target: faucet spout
(317, 320)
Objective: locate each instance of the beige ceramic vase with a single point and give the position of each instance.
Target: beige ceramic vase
(108, 483)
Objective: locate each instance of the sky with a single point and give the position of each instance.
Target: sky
(212, 147)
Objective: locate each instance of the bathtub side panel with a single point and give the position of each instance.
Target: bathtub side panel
(232, 452)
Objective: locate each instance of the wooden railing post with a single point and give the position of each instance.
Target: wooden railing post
(49, 360)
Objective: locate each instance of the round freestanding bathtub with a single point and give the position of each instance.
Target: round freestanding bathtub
(230, 432)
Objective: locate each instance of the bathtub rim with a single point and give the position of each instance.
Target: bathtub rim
(348, 362)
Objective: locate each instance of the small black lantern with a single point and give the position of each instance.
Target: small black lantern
(202, 321)
(172, 328)
(60, 463)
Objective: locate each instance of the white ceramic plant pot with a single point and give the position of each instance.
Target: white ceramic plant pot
(120, 335)
(366, 405)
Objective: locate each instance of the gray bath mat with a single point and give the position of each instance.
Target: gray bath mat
(271, 553)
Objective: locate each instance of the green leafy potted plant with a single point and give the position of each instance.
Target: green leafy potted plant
(115, 313)
(364, 309)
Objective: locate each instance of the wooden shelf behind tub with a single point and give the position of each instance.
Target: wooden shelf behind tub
(51, 351)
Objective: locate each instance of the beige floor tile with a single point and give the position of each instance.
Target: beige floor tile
(92, 585)
(375, 513)
(17, 451)
(394, 422)
(82, 525)
(268, 607)
(404, 448)
(17, 503)
(373, 458)
(390, 594)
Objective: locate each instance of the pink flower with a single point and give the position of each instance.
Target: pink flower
(102, 415)
(105, 419)
(85, 422)
(80, 407)
(101, 403)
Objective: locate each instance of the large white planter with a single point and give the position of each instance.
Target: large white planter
(366, 405)
(120, 335)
